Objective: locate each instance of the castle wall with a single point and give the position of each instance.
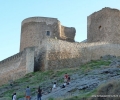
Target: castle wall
(104, 25)
(40, 56)
(16, 66)
(12, 68)
(61, 54)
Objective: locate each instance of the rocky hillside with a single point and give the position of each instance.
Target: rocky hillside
(86, 82)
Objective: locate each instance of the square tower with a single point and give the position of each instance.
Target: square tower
(104, 25)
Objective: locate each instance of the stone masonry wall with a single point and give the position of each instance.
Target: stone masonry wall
(104, 25)
(30, 59)
(68, 33)
(35, 29)
(12, 68)
(61, 54)
(16, 66)
(53, 54)
(40, 56)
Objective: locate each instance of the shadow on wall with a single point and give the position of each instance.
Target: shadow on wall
(39, 62)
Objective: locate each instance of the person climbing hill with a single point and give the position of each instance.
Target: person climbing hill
(28, 93)
(39, 93)
(65, 77)
(14, 96)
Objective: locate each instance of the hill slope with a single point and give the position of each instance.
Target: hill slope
(84, 81)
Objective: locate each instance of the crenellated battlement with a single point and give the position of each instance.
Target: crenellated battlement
(11, 58)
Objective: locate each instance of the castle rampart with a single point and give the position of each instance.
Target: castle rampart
(17, 65)
(12, 68)
(61, 54)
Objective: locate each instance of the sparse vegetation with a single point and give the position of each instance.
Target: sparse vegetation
(82, 96)
(93, 65)
(35, 79)
(51, 98)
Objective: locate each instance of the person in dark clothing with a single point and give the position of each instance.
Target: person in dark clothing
(39, 94)
(68, 81)
(63, 86)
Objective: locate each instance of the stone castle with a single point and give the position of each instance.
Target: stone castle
(46, 44)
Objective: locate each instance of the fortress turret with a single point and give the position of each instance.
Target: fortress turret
(35, 29)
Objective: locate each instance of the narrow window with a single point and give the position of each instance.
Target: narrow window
(48, 33)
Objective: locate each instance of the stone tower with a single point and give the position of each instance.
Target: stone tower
(35, 29)
(104, 25)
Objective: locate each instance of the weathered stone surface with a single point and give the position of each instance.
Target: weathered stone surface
(17, 66)
(50, 52)
(61, 54)
(34, 30)
(10, 70)
(104, 25)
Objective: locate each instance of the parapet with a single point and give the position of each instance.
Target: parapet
(14, 57)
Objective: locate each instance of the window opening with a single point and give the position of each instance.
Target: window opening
(48, 33)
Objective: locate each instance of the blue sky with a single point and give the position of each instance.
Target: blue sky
(71, 13)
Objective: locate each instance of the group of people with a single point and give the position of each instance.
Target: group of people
(28, 94)
(66, 82)
(39, 90)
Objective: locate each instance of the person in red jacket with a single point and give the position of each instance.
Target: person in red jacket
(65, 77)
